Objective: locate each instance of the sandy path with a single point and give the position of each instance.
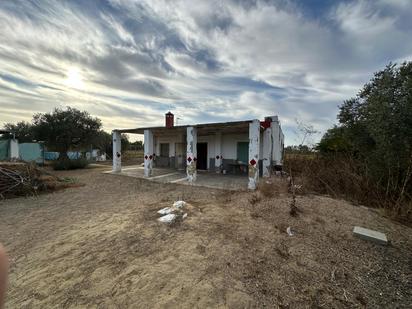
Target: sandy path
(99, 246)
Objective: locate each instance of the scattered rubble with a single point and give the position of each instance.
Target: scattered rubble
(170, 214)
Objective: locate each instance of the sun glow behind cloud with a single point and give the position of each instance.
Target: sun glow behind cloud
(74, 78)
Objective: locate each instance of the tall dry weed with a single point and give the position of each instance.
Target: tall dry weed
(345, 177)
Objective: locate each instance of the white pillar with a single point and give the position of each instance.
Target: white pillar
(254, 146)
(267, 152)
(14, 149)
(218, 152)
(148, 153)
(276, 142)
(191, 154)
(117, 151)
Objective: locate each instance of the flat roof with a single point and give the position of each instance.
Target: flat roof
(202, 129)
(2, 131)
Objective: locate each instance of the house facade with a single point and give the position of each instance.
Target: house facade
(252, 147)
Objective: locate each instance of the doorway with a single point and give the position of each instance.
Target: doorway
(201, 156)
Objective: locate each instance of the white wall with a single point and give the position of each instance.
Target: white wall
(278, 140)
(171, 140)
(14, 149)
(229, 144)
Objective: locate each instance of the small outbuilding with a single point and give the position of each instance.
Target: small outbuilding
(252, 147)
(9, 147)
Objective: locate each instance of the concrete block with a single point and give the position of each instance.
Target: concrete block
(375, 236)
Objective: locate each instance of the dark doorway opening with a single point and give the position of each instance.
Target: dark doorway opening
(201, 156)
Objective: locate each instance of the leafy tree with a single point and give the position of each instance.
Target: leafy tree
(302, 149)
(376, 127)
(66, 129)
(335, 140)
(23, 131)
(137, 145)
(125, 142)
(379, 121)
(103, 141)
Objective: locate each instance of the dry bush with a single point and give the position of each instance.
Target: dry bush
(267, 189)
(273, 187)
(344, 177)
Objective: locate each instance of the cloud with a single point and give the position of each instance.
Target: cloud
(213, 61)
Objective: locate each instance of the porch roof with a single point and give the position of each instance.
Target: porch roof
(202, 129)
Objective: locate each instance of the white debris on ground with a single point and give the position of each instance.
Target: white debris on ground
(168, 218)
(170, 214)
(165, 211)
(289, 231)
(179, 204)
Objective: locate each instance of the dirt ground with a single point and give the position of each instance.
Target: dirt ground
(100, 246)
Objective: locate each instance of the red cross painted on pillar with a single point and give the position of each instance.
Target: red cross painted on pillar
(150, 157)
(189, 159)
(145, 157)
(252, 162)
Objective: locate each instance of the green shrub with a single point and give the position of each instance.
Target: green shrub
(67, 164)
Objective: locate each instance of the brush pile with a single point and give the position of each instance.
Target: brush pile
(23, 179)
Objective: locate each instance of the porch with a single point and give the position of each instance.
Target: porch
(169, 175)
(215, 150)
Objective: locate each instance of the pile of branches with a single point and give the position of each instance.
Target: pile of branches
(23, 179)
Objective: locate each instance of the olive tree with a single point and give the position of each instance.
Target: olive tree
(66, 129)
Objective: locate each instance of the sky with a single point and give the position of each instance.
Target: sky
(129, 62)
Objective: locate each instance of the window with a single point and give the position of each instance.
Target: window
(164, 149)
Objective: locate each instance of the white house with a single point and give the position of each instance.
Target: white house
(251, 146)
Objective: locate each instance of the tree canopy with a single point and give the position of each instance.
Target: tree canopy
(376, 127)
(66, 129)
(22, 130)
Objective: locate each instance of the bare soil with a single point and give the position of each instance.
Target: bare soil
(100, 246)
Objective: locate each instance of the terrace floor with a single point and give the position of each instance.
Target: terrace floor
(204, 178)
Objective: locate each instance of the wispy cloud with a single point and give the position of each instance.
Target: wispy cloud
(213, 61)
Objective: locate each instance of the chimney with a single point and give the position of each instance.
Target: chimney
(170, 119)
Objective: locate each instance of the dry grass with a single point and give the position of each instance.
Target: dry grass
(343, 177)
